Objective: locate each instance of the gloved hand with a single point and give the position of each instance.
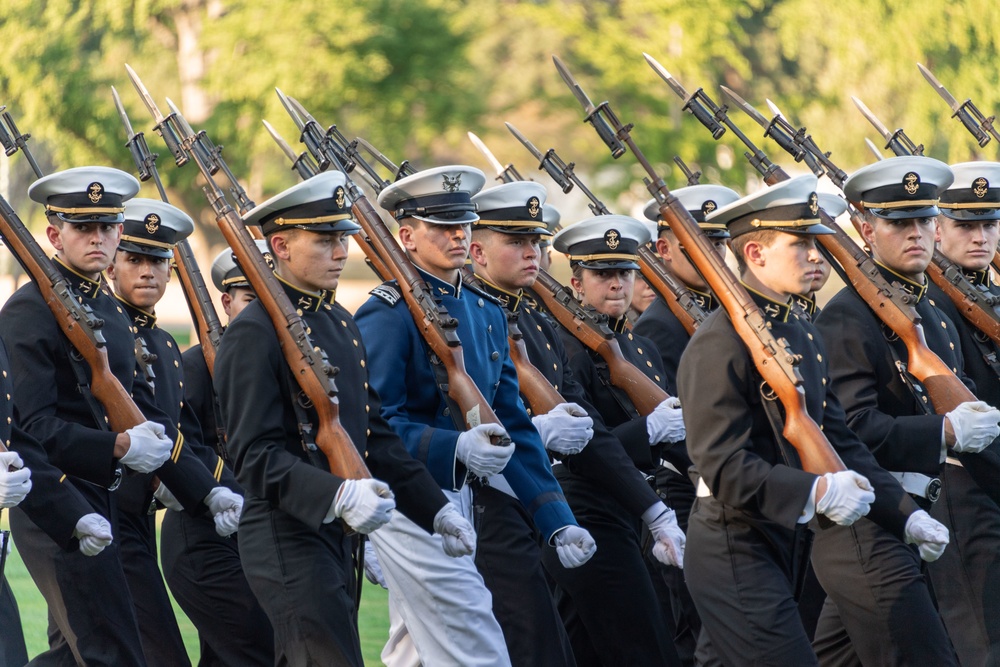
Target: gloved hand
(668, 547)
(666, 422)
(930, 536)
(565, 429)
(574, 546)
(149, 447)
(167, 499)
(14, 484)
(458, 534)
(975, 424)
(363, 504)
(373, 571)
(226, 508)
(94, 533)
(848, 497)
(481, 456)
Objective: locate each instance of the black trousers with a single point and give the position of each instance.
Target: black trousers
(608, 604)
(161, 638)
(91, 616)
(966, 579)
(13, 652)
(879, 609)
(510, 561)
(205, 575)
(304, 580)
(741, 573)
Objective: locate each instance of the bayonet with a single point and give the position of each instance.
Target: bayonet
(561, 172)
(972, 118)
(779, 129)
(303, 164)
(897, 141)
(122, 114)
(774, 109)
(145, 161)
(876, 123)
(692, 176)
(299, 123)
(666, 76)
(746, 107)
(874, 149)
(164, 125)
(507, 174)
(697, 104)
(13, 140)
(332, 139)
(207, 150)
(595, 114)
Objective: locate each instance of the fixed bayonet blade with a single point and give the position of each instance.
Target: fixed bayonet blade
(665, 75)
(941, 90)
(874, 149)
(747, 108)
(487, 153)
(573, 85)
(147, 99)
(122, 113)
(876, 123)
(775, 110)
(278, 139)
(374, 152)
(301, 110)
(299, 123)
(524, 142)
(188, 130)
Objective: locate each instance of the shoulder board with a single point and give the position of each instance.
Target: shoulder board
(388, 292)
(478, 291)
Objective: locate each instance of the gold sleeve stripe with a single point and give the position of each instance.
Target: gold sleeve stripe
(218, 470)
(62, 479)
(178, 446)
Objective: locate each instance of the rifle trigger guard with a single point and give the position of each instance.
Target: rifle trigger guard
(887, 333)
(303, 400)
(766, 392)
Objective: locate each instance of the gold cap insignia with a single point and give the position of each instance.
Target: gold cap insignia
(708, 207)
(451, 184)
(980, 187)
(152, 223)
(612, 238)
(534, 206)
(814, 203)
(95, 191)
(339, 196)
(911, 182)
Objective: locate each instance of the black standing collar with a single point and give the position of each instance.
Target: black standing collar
(139, 317)
(81, 284)
(912, 288)
(509, 300)
(773, 310)
(303, 300)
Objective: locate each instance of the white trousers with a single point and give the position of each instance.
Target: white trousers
(438, 605)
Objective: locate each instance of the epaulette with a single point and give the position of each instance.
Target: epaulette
(388, 292)
(479, 291)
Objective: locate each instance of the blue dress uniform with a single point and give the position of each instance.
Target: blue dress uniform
(203, 569)
(747, 543)
(91, 611)
(896, 620)
(300, 567)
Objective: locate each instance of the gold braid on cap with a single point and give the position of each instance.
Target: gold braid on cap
(911, 203)
(587, 258)
(144, 241)
(89, 210)
(313, 221)
(801, 222)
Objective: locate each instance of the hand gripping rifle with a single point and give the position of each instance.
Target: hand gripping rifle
(678, 297)
(309, 364)
(192, 281)
(890, 305)
(774, 360)
(972, 118)
(977, 307)
(437, 327)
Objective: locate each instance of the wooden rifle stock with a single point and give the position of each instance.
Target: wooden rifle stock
(678, 297)
(595, 335)
(433, 321)
(75, 320)
(199, 302)
(969, 301)
(536, 388)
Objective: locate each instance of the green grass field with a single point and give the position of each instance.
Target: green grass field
(373, 623)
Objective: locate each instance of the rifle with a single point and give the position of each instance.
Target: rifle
(199, 301)
(678, 296)
(774, 360)
(309, 364)
(693, 177)
(972, 118)
(975, 306)
(889, 304)
(437, 327)
(12, 140)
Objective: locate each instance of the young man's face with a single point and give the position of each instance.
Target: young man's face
(438, 249)
(670, 249)
(820, 280)
(509, 261)
(905, 245)
(642, 296)
(787, 265)
(312, 261)
(139, 279)
(969, 243)
(87, 248)
(236, 299)
(609, 291)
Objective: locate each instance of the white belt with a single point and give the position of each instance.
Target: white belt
(703, 490)
(919, 485)
(670, 466)
(953, 461)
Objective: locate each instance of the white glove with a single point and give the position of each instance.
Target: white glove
(363, 504)
(481, 456)
(373, 571)
(848, 497)
(574, 546)
(94, 533)
(226, 508)
(14, 484)
(167, 499)
(975, 424)
(666, 422)
(930, 536)
(668, 547)
(565, 429)
(149, 447)
(458, 534)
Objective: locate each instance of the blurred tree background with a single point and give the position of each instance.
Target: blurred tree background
(413, 76)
